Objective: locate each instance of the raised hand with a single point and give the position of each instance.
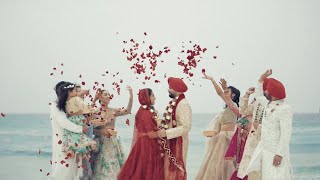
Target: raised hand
(251, 90)
(223, 84)
(130, 90)
(265, 75)
(206, 76)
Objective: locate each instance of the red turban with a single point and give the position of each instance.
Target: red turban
(177, 84)
(144, 97)
(276, 89)
(265, 84)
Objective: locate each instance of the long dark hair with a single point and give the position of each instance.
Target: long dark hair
(63, 95)
(236, 93)
(56, 88)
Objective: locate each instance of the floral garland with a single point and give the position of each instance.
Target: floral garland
(165, 123)
(162, 141)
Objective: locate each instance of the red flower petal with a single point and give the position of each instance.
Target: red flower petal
(80, 76)
(61, 64)
(40, 170)
(48, 174)
(145, 33)
(217, 46)
(67, 165)
(203, 71)
(51, 74)
(62, 162)
(3, 115)
(150, 47)
(214, 57)
(50, 162)
(61, 72)
(102, 85)
(83, 83)
(54, 68)
(128, 122)
(49, 104)
(59, 142)
(76, 144)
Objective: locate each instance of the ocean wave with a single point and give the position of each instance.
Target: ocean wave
(25, 153)
(26, 133)
(308, 130)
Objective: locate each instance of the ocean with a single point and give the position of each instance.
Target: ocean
(23, 135)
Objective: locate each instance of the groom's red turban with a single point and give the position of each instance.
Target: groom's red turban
(177, 84)
(276, 89)
(265, 84)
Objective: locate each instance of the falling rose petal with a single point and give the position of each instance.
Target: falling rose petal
(83, 83)
(150, 47)
(204, 49)
(51, 74)
(61, 64)
(102, 85)
(40, 170)
(50, 162)
(62, 161)
(59, 142)
(48, 174)
(214, 57)
(80, 76)
(121, 81)
(3, 115)
(145, 33)
(39, 151)
(54, 68)
(217, 46)
(67, 165)
(57, 135)
(128, 122)
(203, 71)
(107, 72)
(157, 81)
(232, 64)
(61, 72)
(49, 104)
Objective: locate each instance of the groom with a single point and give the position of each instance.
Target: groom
(177, 124)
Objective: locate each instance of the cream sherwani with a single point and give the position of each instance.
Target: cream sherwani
(275, 139)
(60, 122)
(183, 118)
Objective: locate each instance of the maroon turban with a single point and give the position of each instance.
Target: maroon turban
(276, 89)
(177, 84)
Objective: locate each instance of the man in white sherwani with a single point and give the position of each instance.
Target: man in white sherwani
(179, 118)
(60, 122)
(272, 153)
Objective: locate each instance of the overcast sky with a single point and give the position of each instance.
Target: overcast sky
(86, 35)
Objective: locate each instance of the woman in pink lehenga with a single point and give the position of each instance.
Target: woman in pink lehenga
(220, 132)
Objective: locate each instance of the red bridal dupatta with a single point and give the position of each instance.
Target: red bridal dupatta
(145, 161)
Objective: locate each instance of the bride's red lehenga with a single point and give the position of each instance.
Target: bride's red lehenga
(145, 161)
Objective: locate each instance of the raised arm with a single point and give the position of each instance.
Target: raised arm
(244, 107)
(122, 112)
(216, 86)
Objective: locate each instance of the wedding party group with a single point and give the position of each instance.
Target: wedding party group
(248, 140)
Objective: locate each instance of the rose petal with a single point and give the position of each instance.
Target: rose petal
(83, 83)
(59, 142)
(145, 33)
(54, 68)
(3, 115)
(40, 170)
(48, 174)
(61, 72)
(203, 71)
(128, 122)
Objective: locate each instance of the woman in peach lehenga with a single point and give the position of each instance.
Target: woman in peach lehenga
(220, 132)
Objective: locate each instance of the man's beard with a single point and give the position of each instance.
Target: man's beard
(171, 95)
(267, 96)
